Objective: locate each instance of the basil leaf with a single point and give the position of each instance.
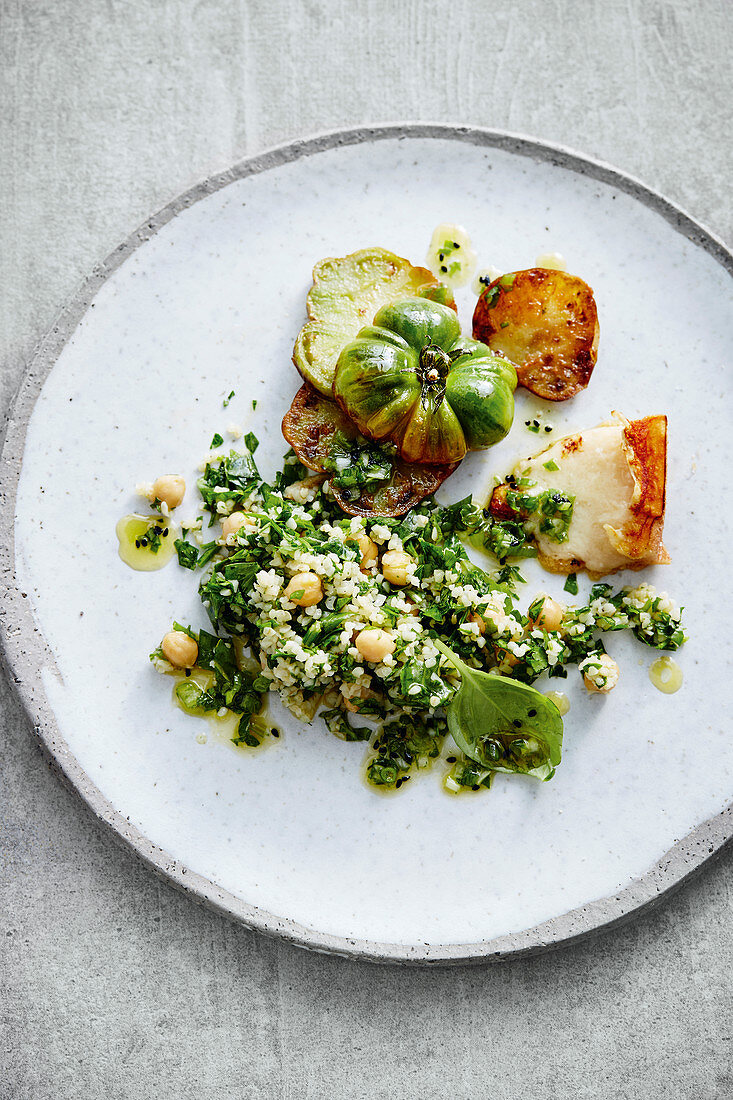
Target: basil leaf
(502, 724)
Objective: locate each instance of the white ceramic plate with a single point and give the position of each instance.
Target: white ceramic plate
(208, 297)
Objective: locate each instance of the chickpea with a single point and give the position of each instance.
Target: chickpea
(169, 489)
(305, 589)
(550, 615)
(394, 567)
(601, 675)
(368, 551)
(232, 523)
(374, 644)
(180, 649)
(490, 616)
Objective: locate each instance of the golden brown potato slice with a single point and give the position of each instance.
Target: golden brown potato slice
(546, 323)
(617, 473)
(309, 426)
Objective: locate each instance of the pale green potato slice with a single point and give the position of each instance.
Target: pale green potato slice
(347, 291)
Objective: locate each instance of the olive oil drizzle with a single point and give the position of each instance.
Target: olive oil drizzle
(666, 675)
(146, 543)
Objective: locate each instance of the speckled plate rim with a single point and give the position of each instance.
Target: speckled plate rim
(25, 649)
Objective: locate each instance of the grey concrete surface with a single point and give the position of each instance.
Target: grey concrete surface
(113, 985)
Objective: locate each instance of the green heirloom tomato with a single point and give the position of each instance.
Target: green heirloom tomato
(411, 378)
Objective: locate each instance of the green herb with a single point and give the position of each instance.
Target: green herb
(207, 552)
(227, 478)
(504, 324)
(339, 725)
(492, 295)
(227, 399)
(506, 282)
(193, 699)
(233, 686)
(357, 464)
(152, 539)
(554, 510)
(252, 729)
(217, 440)
(434, 691)
(503, 725)
(325, 627)
(571, 584)
(187, 553)
(254, 405)
(251, 442)
(532, 426)
(552, 466)
(469, 775)
(401, 745)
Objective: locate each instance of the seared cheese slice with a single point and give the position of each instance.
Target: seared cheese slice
(617, 474)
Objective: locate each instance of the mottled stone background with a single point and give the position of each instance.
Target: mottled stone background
(113, 985)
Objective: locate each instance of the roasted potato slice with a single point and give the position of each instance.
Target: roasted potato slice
(310, 425)
(616, 473)
(347, 291)
(546, 323)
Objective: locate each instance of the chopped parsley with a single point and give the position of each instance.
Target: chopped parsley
(227, 399)
(311, 659)
(217, 440)
(358, 465)
(571, 584)
(235, 686)
(339, 725)
(152, 539)
(227, 479)
(187, 554)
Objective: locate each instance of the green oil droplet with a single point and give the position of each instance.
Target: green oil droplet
(133, 529)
